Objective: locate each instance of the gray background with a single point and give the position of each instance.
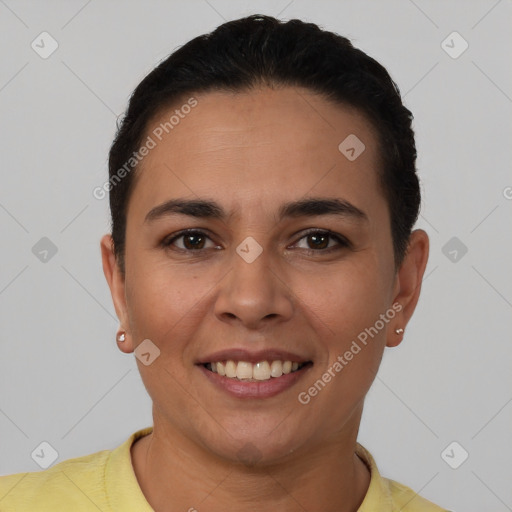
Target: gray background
(62, 378)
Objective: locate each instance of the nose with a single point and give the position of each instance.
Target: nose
(254, 294)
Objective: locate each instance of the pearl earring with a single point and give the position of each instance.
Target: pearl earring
(399, 331)
(121, 336)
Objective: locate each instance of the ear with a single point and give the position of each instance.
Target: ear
(408, 283)
(116, 283)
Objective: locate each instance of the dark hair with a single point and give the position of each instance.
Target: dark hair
(261, 50)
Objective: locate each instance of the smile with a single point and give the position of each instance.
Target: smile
(254, 374)
(260, 371)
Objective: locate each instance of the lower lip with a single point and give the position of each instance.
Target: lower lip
(262, 389)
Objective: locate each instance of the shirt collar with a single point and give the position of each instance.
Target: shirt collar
(121, 484)
(378, 496)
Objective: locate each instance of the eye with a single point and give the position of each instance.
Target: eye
(318, 241)
(193, 240)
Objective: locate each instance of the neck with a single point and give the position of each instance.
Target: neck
(176, 474)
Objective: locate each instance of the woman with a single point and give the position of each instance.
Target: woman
(263, 193)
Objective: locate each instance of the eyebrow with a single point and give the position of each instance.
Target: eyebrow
(308, 207)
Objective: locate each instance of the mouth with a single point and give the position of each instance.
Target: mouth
(257, 372)
(254, 375)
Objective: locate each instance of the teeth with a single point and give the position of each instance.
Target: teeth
(261, 371)
(243, 370)
(231, 369)
(276, 369)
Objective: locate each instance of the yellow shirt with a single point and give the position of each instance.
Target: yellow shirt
(106, 481)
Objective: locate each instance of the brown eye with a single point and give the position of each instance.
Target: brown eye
(318, 241)
(191, 240)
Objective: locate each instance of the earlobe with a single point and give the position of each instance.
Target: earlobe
(396, 337)
(123, 343)
(408, 284)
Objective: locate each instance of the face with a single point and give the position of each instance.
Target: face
(290, 259)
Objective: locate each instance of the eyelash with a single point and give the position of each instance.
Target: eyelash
(342, 241)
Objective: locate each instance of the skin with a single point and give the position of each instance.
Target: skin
(252, 152)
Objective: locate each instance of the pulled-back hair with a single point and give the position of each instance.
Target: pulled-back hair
(261, 50)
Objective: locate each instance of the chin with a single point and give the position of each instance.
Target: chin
(256, 450)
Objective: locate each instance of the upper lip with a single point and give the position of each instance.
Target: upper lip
(240, 354)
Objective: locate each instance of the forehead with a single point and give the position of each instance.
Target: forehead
(259, 147)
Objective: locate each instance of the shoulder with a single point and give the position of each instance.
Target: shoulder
(386, 495)
(74, 484)
(103, 480)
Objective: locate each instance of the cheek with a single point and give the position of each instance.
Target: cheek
(347, 300)
(161, 299)
(160, 305)
(163, 306)
(345, 309)
(169, 304)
